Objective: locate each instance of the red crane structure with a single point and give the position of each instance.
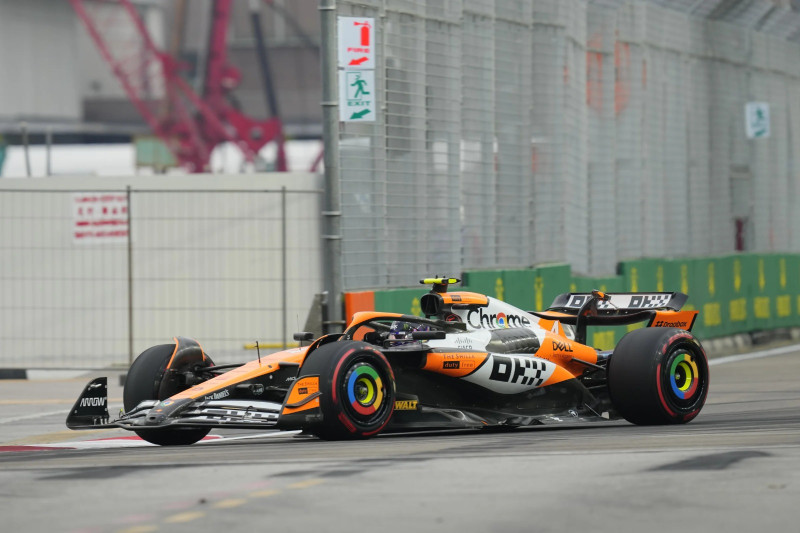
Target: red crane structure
(189, 124)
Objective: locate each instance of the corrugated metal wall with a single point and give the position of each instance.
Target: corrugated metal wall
(511, 133)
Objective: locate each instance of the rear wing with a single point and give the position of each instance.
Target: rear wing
(659, 309)
(620, 303)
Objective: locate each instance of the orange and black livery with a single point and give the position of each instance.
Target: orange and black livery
(471, 361)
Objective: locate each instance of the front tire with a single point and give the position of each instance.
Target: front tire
(144, 382)
(658, 376)
(358, 390)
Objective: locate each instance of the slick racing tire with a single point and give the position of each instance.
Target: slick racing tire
(658, 376)
(357, 390)
(144, 382)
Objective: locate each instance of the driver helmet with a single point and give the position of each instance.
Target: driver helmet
(402, 331)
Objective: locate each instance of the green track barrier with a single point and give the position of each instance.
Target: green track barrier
(531, 289)
(723, 292)
(792, 289)
(548, 282)
(519, 288)
(734, 293)
(642, 276)
(488, 282)
(647, 275)
(702, 280)
(777, 271)
(744, 283)
(603, 338)
(404, 301)
(609, 284)
(764, 292)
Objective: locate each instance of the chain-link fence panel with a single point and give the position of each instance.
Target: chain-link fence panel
(225, 267)
(90, 278)
(63, 290)
(519, 132)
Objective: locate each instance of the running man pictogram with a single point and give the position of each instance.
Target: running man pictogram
(359, 85)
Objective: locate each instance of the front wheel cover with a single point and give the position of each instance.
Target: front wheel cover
(358, 390)
(361, 389)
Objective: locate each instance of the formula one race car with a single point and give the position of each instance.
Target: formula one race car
(472, 362)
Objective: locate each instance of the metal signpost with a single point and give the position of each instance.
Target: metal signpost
(332, 215)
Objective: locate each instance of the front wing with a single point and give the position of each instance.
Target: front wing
(91, 412)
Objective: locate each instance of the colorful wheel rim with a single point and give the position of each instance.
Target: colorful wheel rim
(684, 376)
(365, 390)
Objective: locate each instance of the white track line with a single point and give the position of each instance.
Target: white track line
(36, 415)
(783, 350)
(274, 434)
(135, 442)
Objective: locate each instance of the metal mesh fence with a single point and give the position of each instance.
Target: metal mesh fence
(227, 267)
(518, 132)
(213, 264)
(49, 306)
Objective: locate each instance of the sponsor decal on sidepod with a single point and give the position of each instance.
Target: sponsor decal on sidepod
(511, 374)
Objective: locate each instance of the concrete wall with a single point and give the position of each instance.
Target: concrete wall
(38, 58)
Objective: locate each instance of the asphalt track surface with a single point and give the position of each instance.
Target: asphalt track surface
(736, 467)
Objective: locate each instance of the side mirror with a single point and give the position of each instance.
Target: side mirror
(428, 335)
(303, 336)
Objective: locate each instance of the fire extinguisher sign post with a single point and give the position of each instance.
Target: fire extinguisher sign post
(356, 43)
(357, 92)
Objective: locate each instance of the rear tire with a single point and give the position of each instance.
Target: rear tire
(144, 382)
(658, 376)
(358, 390)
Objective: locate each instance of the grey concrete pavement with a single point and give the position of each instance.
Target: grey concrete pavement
(734, 468)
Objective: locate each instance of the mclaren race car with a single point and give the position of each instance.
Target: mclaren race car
(472, 362)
